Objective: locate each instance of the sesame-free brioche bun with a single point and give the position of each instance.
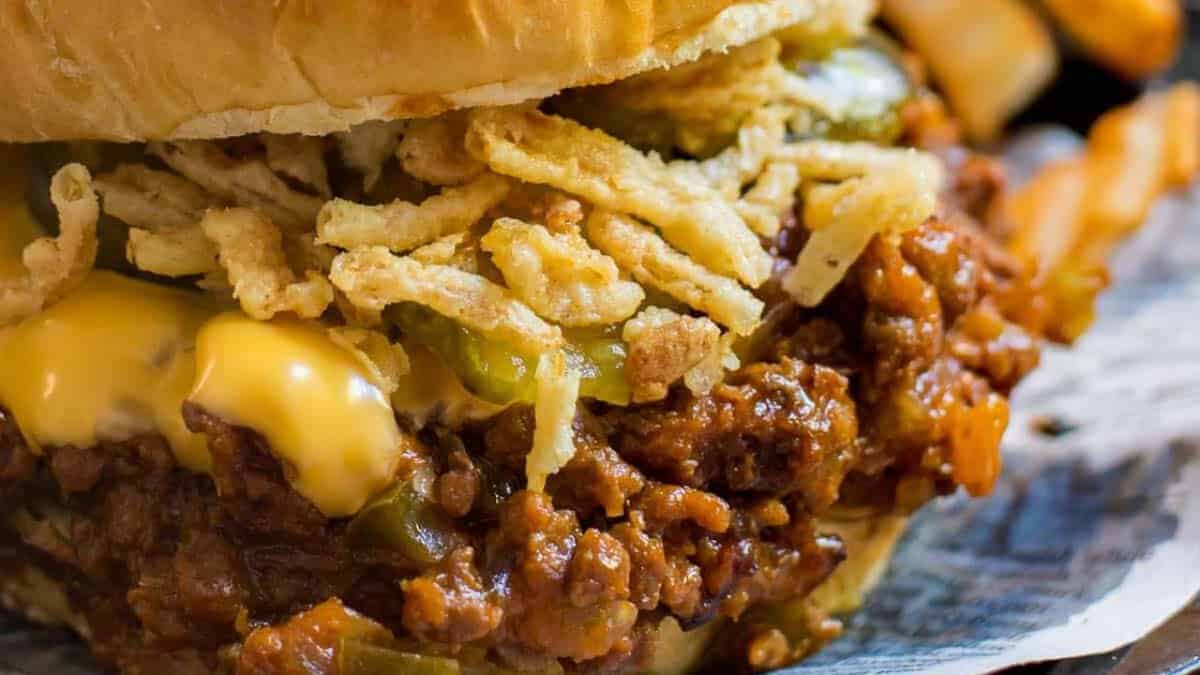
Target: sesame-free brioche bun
(133, 70)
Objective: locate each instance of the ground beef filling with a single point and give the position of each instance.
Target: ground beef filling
(697, 508)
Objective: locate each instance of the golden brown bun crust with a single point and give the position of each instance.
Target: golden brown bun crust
(154, 69)
(869, 546)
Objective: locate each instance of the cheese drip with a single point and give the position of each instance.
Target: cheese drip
(118, 358)
(314, 403)
(112, 360)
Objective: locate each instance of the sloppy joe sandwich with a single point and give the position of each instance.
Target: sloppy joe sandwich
(482, 337)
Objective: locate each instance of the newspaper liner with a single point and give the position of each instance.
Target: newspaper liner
(1091, 539)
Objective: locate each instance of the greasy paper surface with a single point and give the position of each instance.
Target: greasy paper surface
(1091, 540)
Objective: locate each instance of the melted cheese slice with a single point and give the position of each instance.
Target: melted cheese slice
(112, 360)
(315, 404)
(118, 357)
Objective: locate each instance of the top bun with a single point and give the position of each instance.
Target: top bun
(166, 69)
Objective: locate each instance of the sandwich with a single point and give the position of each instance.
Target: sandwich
(484, 337)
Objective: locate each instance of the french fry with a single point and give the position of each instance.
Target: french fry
(1135, 38)
(1048, 213)
(1072, 214)
(1126, 163)
(991, 57)
(1182, 123)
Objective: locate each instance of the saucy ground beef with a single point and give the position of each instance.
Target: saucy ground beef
(698, 508)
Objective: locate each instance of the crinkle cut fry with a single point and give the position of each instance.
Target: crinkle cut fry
(651, 261)
(1072, 213)
(373, 278)
(55, 265)
(555, 151)
(559, 275)
(250, 248)
(402, 226)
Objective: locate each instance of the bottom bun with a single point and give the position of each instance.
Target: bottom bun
(869, 545)
(870, 542)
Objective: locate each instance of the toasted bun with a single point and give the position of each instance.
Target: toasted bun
(869, 542)
(869, 547)
(159, 69)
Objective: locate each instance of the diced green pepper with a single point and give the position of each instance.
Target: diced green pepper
(363, 658)
(405, 521)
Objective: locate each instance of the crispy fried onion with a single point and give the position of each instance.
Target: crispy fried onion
(705, 99)
(384, 360)
(373, 278)
(559, 275)
(651, 261)
(248, 182)
(665, 346)
(250, 249)
(834, 161)
(773, 194)
(55, 265)
(148, 199)
(366, 147)
(432, 150)
(301, 158)
(402, 225)
(761, 134)
(844, 217)
(554, 417)
(459, 250)
(172, 251)
(163, 211)
(556, 151)
(710, 371)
